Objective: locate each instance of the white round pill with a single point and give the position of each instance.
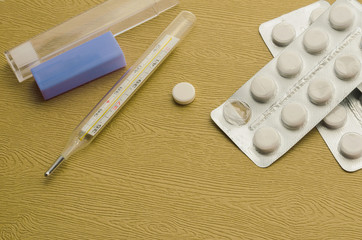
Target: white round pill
(336, 118)
(289, 64)
(262, 88)
(294, 115)
(320, 91)
(347, 67)
(183, 93)
(266, 140)
(350, 145)
(316, 13)
(283, 33)
(315, 40)
(341, 17)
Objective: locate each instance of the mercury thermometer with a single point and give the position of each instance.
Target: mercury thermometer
(124, 89)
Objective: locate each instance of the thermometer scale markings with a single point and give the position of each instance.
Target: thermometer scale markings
(107, 110)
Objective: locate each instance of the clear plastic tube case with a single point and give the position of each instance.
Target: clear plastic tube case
(116, 16)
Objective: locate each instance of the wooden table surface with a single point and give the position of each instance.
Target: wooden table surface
(160, 170)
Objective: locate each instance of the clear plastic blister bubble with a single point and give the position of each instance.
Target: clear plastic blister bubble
(236, 112)
(290, 109)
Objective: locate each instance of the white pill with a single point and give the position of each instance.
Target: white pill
(320, 91)
(183, 93)
(347, 67)
(266, 140)
(283, 34)
(262, 88)
(316, 14)
(341, 17)
(350, 145)
(289, 64)
(294, 115)
(315, 40)
(336, 118)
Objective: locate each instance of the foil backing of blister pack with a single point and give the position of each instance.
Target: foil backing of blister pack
(294, 90)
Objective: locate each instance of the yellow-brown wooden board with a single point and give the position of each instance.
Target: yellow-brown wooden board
(160, 170)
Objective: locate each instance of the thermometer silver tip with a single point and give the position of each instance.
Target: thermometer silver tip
(54, 166)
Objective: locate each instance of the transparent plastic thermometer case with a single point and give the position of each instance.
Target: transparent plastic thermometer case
(123, 90)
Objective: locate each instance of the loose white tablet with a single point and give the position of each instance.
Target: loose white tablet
(347, 67)
(336, 118)
(294, 115)
(350, 145)
(183, 93)
(266, 140)
(320, 91)
(262, 88)
(289, 64)
(316, 13)
(341, 17)
(315, 40)
(283, 34)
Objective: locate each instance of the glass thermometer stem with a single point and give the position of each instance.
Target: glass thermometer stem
(124, 89)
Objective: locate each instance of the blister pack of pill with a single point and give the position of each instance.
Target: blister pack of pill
(279, 32)
(345, 119)
(342, 131)
(272, 111)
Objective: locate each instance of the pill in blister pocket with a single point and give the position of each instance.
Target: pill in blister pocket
(315, 40)
(347, 67)
(289, 64)
(294, 115)
(336, 118)
(320, 91)
(350, 145)
(262, 88)
(316, 13)
(341, 17)
(283, 34)
(266, 140)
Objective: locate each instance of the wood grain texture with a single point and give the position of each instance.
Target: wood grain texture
(159, 170)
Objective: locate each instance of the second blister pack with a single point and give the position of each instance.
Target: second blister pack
(288, 97)
(341, 129)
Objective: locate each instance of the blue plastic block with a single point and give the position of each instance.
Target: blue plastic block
(79, 65)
